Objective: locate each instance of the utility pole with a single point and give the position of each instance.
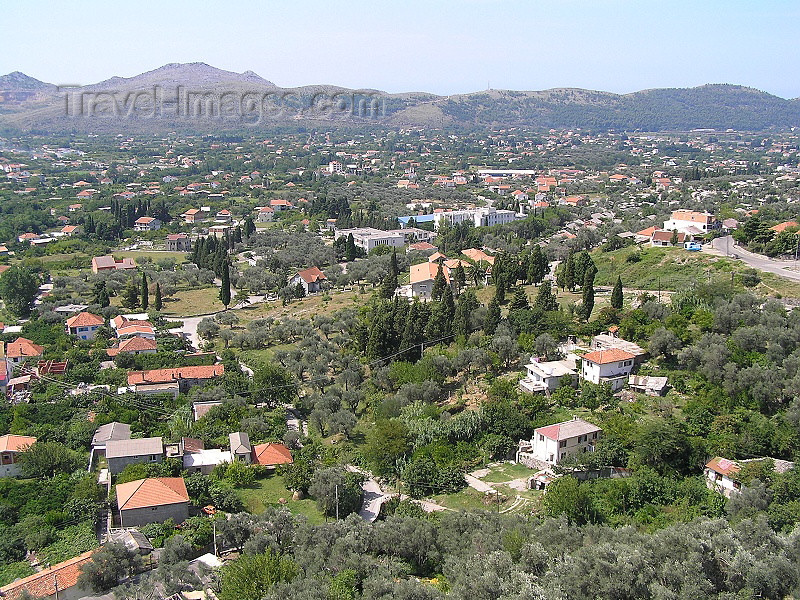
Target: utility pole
(336, 492)
(214, 528)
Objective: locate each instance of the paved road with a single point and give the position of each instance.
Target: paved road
(784, 268)
(373, 495)
(477, 484)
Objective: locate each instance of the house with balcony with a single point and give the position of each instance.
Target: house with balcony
(611, 366)
(555, 443)
(84, 325)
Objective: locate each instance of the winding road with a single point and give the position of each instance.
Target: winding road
(726, 246)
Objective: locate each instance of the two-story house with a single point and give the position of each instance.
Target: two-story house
(555, 443)
(84, 325)
(610, 366)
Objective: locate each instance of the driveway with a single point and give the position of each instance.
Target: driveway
(726, 246)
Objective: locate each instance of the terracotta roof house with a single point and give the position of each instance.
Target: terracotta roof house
(146, 224)
(178, 242)
(664, 238)
(84, 325)
(23, 349)
(312, 279)
(722, 473)
(422, 276)
(134, 345)
(11, 446)
(781, 227)
(59, 581)
(611, 366)
(554, 443)
(271, 455)
(477, 256)
(109, 263)
(152, 500)
(124, 452)
(181, 377)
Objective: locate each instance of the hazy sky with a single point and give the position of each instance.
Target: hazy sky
(418, 45)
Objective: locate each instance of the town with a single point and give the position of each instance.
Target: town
(216, 347)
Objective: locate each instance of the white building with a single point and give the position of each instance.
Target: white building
(691, 222)
(480, 217)
(368, 238)
(546, 376)
(722, 473)
(610, 366)
(554, 443)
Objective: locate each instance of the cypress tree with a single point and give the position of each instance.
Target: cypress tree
(545, 300)
(616, 295)
(588, 292)
(569, 272)
(158, 302)
(439, 283)
(145, 292)
(225, 290)
(519, 301)
(492, 316)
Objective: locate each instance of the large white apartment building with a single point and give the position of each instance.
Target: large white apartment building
(369, 238)
(480, 217)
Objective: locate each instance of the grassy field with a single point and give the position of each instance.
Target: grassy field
(137, 255)
(301, 309)
(199, 301)
(675, 269)
(507, 472)
(268, 492)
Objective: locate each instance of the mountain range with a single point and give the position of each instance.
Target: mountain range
(200, 98)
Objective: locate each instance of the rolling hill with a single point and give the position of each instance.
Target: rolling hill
(199, 97)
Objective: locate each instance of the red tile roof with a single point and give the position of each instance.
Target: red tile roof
(85, 319)
(780, 227)
(15, 443)
(604, 357)
(723, 466)
(174, 374)
(156, 491)
(271, 454)
(312, 275)
(134, 344)
(567, 429)
(22, 347)
(43, 584)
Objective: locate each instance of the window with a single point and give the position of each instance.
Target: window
(594, 435)
(737, 485)
(562, 444)
(563, 455)
(551, 458)
(541, 437)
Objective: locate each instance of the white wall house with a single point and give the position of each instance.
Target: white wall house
(555, 443)
(689, 221)
(368, 238)
(610, 366)
(721, 475)
(546, 376)
(480, 217)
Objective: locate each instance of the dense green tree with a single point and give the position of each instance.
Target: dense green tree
(109, 566)
(47, 459)
(493, 316)
(387, 442)
(225, 288)
(131, 294)
(537, 266)
(18, 289)
(520, 300)
(545, 299)
(568, 497)
(158, 303)
(336, 491)
(587, 292)
(253, 575)
(616, 295)
(462, 320)
(145, 301)
(439, 284)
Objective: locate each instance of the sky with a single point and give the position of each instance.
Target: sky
(443, 46)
